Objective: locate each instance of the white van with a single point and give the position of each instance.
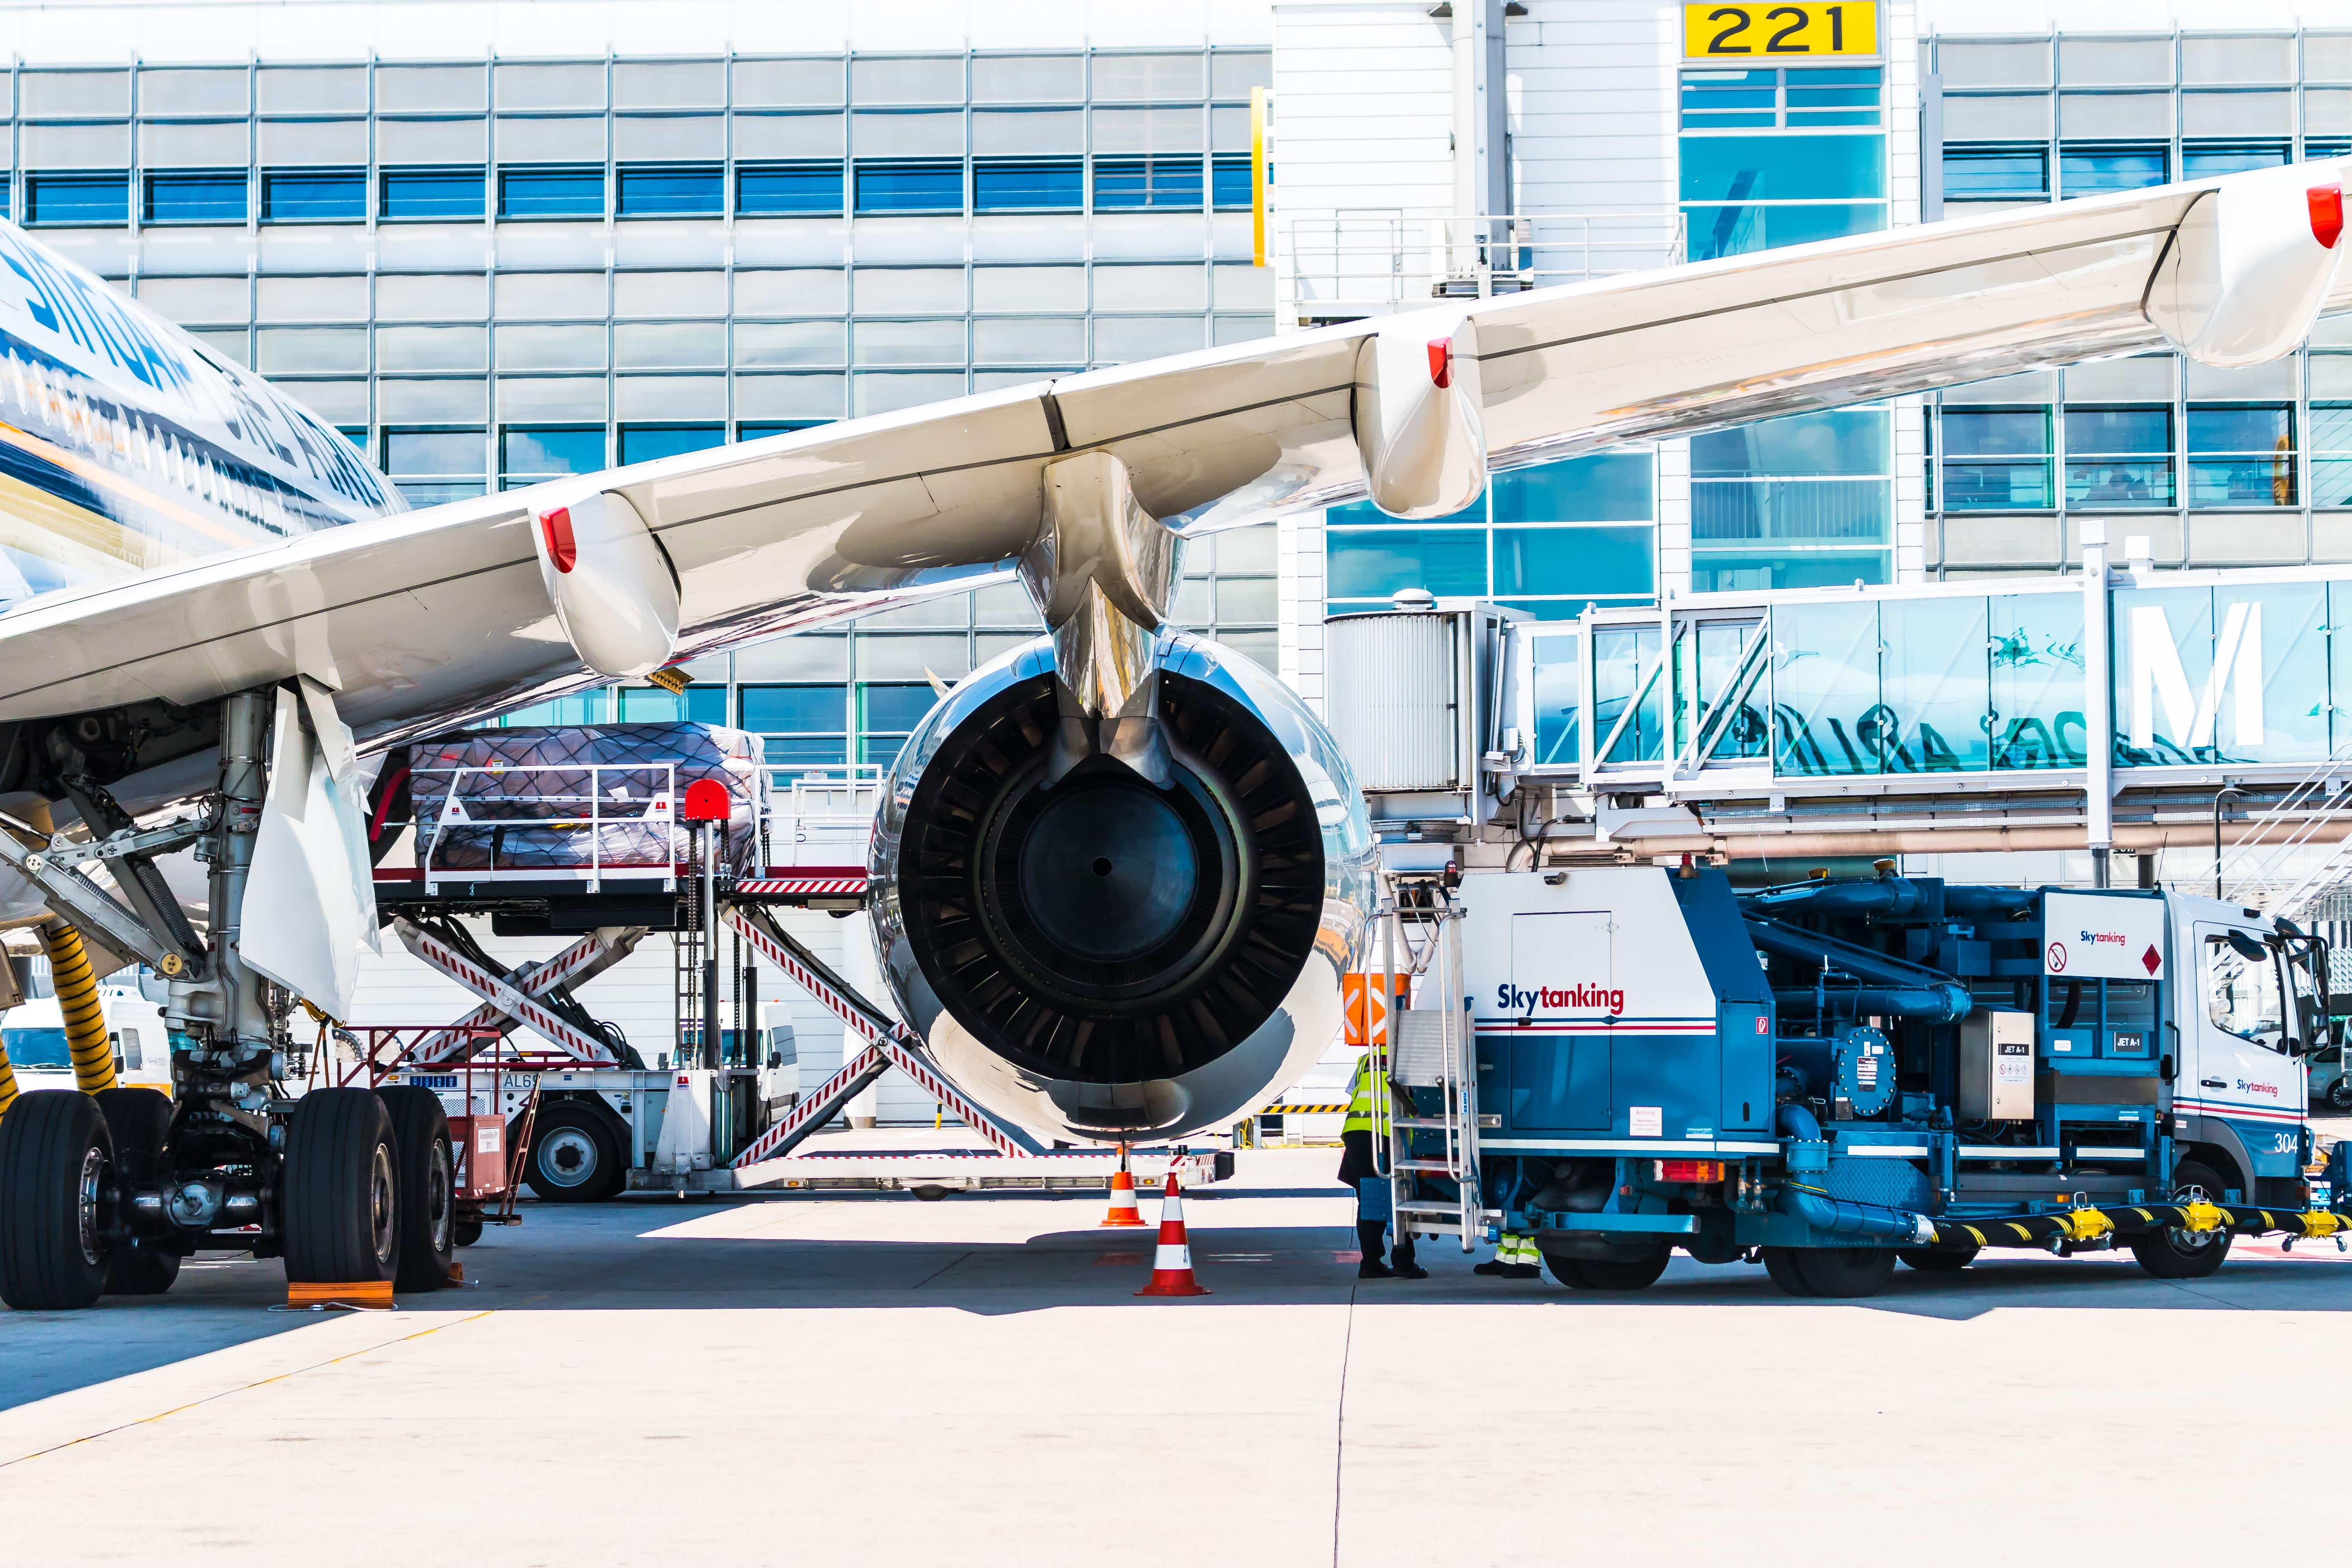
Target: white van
(35, 1034)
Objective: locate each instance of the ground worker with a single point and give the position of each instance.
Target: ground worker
(1516, 1256)
(1368, 1118)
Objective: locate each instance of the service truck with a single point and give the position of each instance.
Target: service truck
(1829, 1076)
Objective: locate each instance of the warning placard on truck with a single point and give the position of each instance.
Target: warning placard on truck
(2085, 936)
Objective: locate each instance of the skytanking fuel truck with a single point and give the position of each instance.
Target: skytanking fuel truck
(1833, 1075)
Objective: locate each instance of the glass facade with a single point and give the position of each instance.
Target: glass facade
(1781, 156)
(2152, 442)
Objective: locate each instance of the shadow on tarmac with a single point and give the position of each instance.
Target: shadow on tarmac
(648, 1255)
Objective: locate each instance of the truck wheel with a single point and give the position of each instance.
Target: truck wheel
(2176, 1254)
(1780, 1264)
(420, 1135)
(1846, 1272)
(1597, 1274)
(57, 1176)
(138, 1120)
(338, 1193)
(1938, 1261)
(573, 1157)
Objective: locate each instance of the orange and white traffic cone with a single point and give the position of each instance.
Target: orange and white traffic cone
(1172, 1265)
(1123, 1212)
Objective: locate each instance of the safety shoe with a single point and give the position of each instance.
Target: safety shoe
(1374, 1268)
(1405, 1269)
(1494, 1266)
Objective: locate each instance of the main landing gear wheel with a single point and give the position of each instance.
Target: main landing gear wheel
(572, 1159)
(339, 1191)
(1846, 1272)
(2173, 1253)
(1597, 1274)
(138, 1120)
(1938, 1261)
(56, 1201)
(420, 1136)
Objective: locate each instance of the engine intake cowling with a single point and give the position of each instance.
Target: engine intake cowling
(1101, 957)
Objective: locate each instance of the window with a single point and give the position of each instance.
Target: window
(1593, 560)
(2119, 457)
(431, 466)
(1128, 184)
(313, 196)
(1230, 186)
(527, 454)
(1375, 563)
(1815, 97)
(1028, 186)
(1996, 174)
(787, 189)
(697, 704)
(1742, 194)
(755, 429)
(199, 195)
(1996, 459)
(673, 190)
(586, 708)
(2241, 992)
(2241, 454)
(2200, 160)
(1614, 487)
(2088, 171)
(645, 443)
(802, 726)
(887, 714)
(1790, 502)
(911, 187)
(577, 191)
(76, 198)
(444, 195)
(2331, 454)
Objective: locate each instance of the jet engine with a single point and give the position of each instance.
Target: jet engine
(1098, 956)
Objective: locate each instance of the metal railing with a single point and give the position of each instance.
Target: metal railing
(824, 816)
(607, 802)
(1366, 261)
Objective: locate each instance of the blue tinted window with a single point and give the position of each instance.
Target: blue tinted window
(78, 199)
(2204, 162)
(644, 443)
(588, 708)
(428, 454)
(523, 450)
(1735, 231)
(911, 187)
(1730, 100)
(1230, 183)
(551, 192)
(653, 705)
(2119, 430)
(787, 189)
(1712, 572)
(2013, 173)
(1782, 168)
(5, 195)
(894, 709)
(443, 194)
(202, 196)
(1841, 441)
(673, 190)
(1575, 560)
(1363, 512)
(1124, 184)
(1807, 511)
(1007, 186)
(1370, 564)
(357, 435)
(1614, 487)
(794, 709)
(2087, 171)
(313, 196)
(753, 430)
(1838, 96)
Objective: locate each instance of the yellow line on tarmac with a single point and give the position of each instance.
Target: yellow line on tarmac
(241, 1388)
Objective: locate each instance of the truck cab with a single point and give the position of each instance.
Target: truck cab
(2252, 1007)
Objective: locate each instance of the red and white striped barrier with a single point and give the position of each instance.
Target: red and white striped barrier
(802, 888)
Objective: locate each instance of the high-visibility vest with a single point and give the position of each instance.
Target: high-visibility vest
(1367, 1098)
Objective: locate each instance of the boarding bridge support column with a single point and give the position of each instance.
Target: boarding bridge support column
(2098, 704)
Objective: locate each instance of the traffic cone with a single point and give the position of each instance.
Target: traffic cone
(1171, 1266)
(1123, 1212)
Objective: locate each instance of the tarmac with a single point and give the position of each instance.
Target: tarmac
(877, 1380)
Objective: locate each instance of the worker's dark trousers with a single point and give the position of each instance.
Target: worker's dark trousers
(1355, 1165)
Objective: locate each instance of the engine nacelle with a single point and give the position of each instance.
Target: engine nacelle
(1102, 958)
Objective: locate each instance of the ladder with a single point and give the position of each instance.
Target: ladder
(688, 949)
(1430, 1047)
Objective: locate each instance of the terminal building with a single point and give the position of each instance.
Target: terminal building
(491, 254)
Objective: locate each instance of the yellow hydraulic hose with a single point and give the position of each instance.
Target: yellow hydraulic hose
(8, 1080)
(78, 1004)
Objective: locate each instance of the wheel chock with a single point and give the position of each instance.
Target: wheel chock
(457, 1271)
(369, 1294)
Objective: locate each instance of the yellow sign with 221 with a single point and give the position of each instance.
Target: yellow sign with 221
(1717, 32)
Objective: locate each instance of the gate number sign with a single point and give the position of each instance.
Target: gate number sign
(1757, 31)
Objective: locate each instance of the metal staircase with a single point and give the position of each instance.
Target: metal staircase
(1429, 1054)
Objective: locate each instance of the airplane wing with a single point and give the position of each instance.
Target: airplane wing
(426, 619)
